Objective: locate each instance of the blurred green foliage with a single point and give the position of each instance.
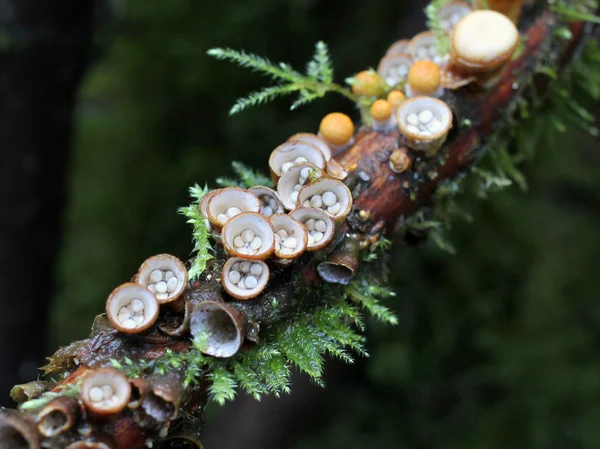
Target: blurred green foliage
(495, 346)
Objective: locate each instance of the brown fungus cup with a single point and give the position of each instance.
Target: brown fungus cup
(105, 391)
(132, 308)
(164, 275)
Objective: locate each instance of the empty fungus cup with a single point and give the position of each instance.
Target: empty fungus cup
(425, 122)
(223, 325)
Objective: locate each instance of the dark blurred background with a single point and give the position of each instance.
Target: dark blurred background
(110, 110)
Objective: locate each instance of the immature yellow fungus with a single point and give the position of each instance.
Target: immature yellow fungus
(396, 98)
(382, 115)
(381, 110)
(369, 84)
(424, 78)
(337, 129)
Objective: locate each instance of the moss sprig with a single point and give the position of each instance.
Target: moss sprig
(317, 81)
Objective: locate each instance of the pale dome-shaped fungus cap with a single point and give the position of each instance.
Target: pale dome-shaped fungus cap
(291, 237)
(248, 235)
(400, 46)
(330, 195)
(293, 152)
(222, 325)
(319, 225)
(229, 202)
(244, 279)
(425, 122)
(483, 41)
(424, 78)
(269, 199)
(394, 67)
(315, 140)
(105, 391)
(132, 308)
(164, 275)
(382, 116)
(337, 130)
(451, 13)
(425, 46)
(290, 183)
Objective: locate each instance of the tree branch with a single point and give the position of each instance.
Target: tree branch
(165, 408)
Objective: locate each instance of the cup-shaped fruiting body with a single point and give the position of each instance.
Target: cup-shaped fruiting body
(482, 41)
(293, 180)
(396, 98)
(368, 84)
(229, 202)
(394, 68)
(451, 13)
(510, 8)
(132, 308)
(244, 279)
(382, 116)
(222, 325)
(203, 206)
(105, 391)
(425, 46)
(31, 390)
(58, 416)
(319, 225)
(270, 202)
(424, 78)
(164, 275)
(337, 130)
(294, 152)
(341, 266)
(400, 46)
(425, 122)
(330, 195)
(400, 160)
(315, 140)
(17, 431)
(336, 170)
(249, 235)
(291, 236)
(91, 443)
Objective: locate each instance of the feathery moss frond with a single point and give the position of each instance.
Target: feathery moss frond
(200, 235)
(315, 84)
(432, 11)
(247, 177)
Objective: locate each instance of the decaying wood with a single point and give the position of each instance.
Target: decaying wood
(161, 409)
